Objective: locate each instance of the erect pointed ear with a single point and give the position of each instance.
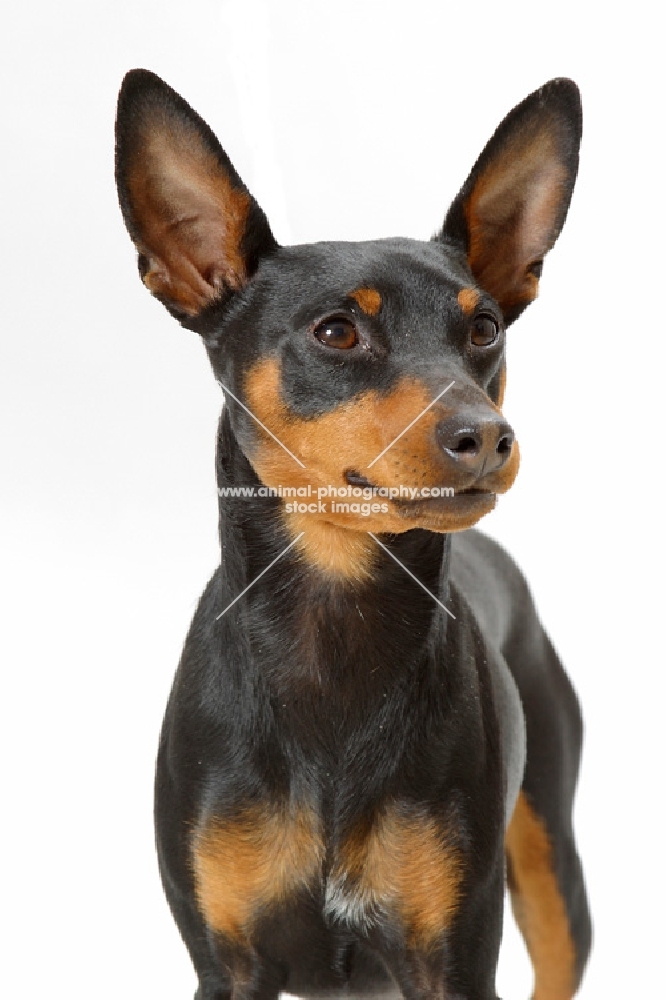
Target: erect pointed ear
(513, 204)
(198, 230)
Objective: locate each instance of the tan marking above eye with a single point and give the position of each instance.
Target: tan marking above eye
(368, 299)
(468, 299)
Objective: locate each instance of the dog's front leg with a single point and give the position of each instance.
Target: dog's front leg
(463, 965)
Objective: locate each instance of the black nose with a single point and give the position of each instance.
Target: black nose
(475, 446)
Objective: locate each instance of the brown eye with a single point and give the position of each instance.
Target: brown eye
(339, 332)
(485, 330)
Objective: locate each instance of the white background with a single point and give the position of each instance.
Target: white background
(347, 120)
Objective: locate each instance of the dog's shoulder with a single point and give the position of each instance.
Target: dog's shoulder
(491, 583)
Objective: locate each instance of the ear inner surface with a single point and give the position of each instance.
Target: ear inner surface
(197, 229)
(190, 219)
(512, 207)
(513, 216)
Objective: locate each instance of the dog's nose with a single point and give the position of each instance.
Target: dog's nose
(479, 446)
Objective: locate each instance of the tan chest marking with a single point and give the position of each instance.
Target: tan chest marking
(400, 867)
(244, 865)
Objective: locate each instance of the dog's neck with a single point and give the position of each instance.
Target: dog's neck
(376, 621)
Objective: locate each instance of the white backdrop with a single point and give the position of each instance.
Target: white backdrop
(346, 120)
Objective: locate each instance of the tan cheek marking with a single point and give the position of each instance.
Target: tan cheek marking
(468, 299)
(191, 220)
(368, 299)
(502, 387)
(248, 863)
(349, 437)
(404, 863)
(538, 905)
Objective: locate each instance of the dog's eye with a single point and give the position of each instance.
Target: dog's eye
(337, 332)
(485, 330)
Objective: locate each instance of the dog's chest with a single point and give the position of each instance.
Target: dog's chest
(400, 866)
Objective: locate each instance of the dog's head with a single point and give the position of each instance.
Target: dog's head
(377, 368)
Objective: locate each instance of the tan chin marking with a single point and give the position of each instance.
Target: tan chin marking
(338, 552)
(347, 552)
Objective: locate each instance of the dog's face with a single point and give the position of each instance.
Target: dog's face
(338, 348)
(372, 368)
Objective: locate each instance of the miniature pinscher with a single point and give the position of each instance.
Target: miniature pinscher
(369, 729)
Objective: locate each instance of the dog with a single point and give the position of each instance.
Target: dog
(369, 730)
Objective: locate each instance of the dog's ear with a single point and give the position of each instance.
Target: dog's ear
(513, 204)
(199, 232)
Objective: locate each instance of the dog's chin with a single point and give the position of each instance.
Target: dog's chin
(457, 512)
(441, 514)
(446, 514)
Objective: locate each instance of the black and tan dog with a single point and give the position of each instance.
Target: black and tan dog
(368, 726)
